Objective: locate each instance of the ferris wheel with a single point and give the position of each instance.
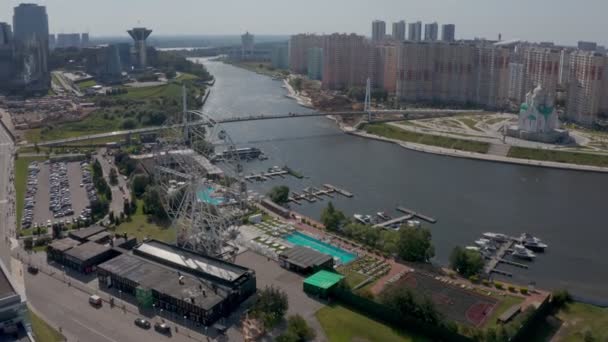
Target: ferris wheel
(199, 171)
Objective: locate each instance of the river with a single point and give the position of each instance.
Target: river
(468, 197)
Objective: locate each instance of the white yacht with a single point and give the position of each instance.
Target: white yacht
(532, 242)
(519, 251)
(473, 248)
(496, 237)
(486, 244)
(365, 219)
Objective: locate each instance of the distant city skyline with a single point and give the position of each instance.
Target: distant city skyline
(516, 19)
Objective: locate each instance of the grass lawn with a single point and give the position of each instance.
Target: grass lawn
(171, 90)
(559, 156)
(21, 165)
(470, 123)
(141, 228)
(92, 124)
(392, 132)
(505, 303)
(186, 77)
(578, 319)
(86, 84)
(343, 325)
(44, 332)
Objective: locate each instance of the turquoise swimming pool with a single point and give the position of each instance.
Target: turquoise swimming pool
(206, 195)
(300, 239)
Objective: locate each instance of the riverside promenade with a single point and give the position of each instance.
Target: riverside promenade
(474, 155)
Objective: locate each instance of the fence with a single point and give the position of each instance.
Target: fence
(395, 319)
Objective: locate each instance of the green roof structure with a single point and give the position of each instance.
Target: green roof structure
(323, 279)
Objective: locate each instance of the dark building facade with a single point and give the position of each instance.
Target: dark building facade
(31, 48)
(180, 282)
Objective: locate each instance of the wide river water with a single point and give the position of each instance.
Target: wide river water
(567, 209)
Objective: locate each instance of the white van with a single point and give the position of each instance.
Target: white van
(95, 300)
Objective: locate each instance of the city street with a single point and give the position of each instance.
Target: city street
(7, 195)
(117, 204)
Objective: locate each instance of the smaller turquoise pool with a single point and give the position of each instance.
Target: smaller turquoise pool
(206, 195)
(300, 239)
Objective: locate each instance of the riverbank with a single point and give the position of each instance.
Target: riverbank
(301, 99)
(474, 155)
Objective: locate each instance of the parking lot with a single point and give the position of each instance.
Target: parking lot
(56, 192)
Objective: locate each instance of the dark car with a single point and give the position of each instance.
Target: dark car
(32, 269)
(142, 323)
(162, 328)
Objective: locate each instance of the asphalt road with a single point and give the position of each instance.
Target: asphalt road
(117, 204)
(7, 196)
(68, 308)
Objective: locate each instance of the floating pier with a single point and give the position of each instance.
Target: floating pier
(416, 214)
(334, 188)
(270, 174)
(313, 194)
(391, 222)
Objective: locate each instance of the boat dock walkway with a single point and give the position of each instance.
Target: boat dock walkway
(498, 258)
(416, 214)
(391, 222)
(313, 194)
(264, 176)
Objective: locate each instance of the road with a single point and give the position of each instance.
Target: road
(7, 195)
(117, 204)
(68, 308)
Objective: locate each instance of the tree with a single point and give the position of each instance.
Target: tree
(402, 300)
(279, 194)
(111, 217)
(466, 262)
(270, 306)
(332, 218)
(415, 245)
(28, 243)
(129, 124)
(296, 84)
(152, 203)
(139, 184)
(113, 177)
(297, 330)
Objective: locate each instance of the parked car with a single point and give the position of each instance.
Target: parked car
(162, 328)
(142, 323)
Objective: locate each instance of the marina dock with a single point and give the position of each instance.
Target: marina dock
(416, 214)
(391, 222)
(498, 258)
(313, 194)
(270, 174)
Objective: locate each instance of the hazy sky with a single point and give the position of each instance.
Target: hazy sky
(535, 20)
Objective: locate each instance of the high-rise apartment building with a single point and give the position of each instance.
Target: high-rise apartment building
(52, 41)
(399, 31)
(587, 86)
(299, 45)
(414, 31)
(516, 82)
(6, 55)
(386, 67)
(378, 30)
(279, 56)
(448, 32)
(315, 63)
(247, 44)
(492, 76)
(429, 72)
(68, 40)
(31, 39)
(541, 67)
(431, 32)
(587, 46)
(347, 61)
(103, 62)
(84, 40)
